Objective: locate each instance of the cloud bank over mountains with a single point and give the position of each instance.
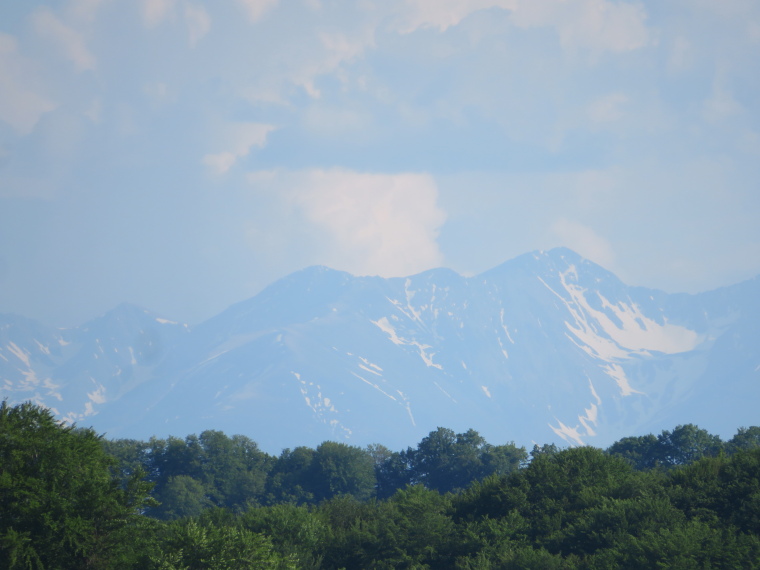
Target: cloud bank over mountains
(183, 155)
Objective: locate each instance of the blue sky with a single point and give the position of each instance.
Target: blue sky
(182, 155)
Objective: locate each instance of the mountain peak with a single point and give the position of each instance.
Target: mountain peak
(547, 345)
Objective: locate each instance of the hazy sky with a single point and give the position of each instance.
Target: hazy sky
(182, 155)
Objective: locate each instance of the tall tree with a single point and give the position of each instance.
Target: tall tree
(446, 461)
(687, 443)
(745, 438)
(642, 452)
(340, 469)
(62, 504)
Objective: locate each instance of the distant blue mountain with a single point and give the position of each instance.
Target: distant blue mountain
(547, 347)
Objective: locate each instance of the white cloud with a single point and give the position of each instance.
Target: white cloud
(584, 241)
(334, 50)
(608, 109)
(159, 92)
(721, 105)
(681, 53)
(593, 24)
(322, 49)
(598, 25)
(238, 139)
(71, 42)
(198, 23)
(443, 14)
(370, 224)
(220, 162)
(21, 104)
(155, 11)
(257, 8)
(83, 10)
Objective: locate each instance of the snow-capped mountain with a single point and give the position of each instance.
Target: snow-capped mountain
(545, 347)
(75, 371)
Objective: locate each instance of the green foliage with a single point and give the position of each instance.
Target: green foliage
(188, 545)
(393, 472)
(130, 454)
(290, 478)
(341, 469)
(61, 506)
(297, 532)
(641, 452)
(182, 496)
(309, 476)
(447, 461)
(410, 530)
(210, 470)
(679, 500)
(721, 488)
(546, 449)
(685, 444)
(233, 468)
(745, 438)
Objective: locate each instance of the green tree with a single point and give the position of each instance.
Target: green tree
(131, 456)
(305, 475)
(340, 469)
(188, 545)
(446, 461)
(61, 503)
(546, 449)
(412, 529)
(296, 531)
(559, 488)
(182, 496)
(422, 525)
(642, 452)
(745, 438)
(724, 488)
(437, 463)
(502, 459)
(393, 472)
(234, 469)
(290, 479)
(687, 443)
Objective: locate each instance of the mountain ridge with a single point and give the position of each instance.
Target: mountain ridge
(546, 346)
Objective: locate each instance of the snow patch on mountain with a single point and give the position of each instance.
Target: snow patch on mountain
(22, 355)
(375, 386)
(437, 385)
(388, 329)
(570, 435)
(616, 372)
(633, 331)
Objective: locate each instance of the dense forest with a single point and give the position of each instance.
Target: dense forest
(70, 498)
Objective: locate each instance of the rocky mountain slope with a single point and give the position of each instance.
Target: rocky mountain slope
(545, 347)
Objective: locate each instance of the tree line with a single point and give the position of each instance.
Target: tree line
(72, 499)
(212, 469)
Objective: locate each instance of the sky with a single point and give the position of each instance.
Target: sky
(182, 155)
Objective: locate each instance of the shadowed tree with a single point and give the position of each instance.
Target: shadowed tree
(687, 443)
(745, 438)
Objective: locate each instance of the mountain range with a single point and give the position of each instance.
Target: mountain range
(546, 347)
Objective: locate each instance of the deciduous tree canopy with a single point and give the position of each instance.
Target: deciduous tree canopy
(69, 499)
